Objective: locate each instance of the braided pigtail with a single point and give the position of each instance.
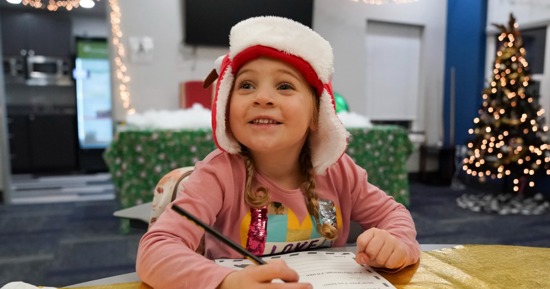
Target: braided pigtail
(260, 197)
(326, 230)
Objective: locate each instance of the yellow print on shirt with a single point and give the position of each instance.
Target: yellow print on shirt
(283, 225)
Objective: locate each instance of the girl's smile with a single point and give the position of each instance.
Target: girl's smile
(264, 121)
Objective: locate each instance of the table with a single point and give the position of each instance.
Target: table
(132, 277)
(441, 266)
(138, 216)
(138, 159)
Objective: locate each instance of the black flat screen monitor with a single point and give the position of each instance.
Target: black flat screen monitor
(207, 22)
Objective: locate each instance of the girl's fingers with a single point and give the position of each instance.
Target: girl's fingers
(276, 270)
(397, 259)
(378, 248)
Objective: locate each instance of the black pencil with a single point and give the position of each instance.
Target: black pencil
(218, 235)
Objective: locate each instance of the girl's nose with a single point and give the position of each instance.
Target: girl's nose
(264, 97)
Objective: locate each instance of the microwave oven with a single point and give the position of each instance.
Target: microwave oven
(48, 70)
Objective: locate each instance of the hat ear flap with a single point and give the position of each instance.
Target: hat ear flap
(222, 135)
(329, 141)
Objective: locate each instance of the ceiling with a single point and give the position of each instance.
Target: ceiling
(99, 10)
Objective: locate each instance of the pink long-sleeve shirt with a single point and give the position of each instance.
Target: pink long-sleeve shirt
(214, 193)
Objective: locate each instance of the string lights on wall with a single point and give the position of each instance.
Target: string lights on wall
(120, 53)
(54, 5)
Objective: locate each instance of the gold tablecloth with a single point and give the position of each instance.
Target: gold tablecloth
(137, 160)
(468, 267)
(478, 267)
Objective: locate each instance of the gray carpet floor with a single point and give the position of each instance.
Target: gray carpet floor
(59, 244)
(29, 189)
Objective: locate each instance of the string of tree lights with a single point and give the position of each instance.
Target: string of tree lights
(509, 137)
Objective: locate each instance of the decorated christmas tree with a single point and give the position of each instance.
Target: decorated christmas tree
(509, 137)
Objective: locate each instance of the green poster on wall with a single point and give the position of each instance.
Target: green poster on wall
(92, 49)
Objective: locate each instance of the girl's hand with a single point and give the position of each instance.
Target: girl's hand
(378, 248)
(261, 276)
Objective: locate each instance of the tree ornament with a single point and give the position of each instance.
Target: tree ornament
(341, 104)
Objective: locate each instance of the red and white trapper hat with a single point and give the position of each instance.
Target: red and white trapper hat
(290, 41)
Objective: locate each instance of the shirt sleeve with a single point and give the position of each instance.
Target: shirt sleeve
(372, 207)
(166, 255)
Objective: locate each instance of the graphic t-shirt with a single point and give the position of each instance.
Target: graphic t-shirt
(214, 193)
(276, 229)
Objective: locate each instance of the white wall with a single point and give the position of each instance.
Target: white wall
(527, 13)
(343, 23)
(154, 84)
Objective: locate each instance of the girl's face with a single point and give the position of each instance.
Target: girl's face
(271, 107)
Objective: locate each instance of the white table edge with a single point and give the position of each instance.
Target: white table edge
(140, 212)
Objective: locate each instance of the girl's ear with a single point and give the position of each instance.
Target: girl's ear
(313, 124)
(315, 112)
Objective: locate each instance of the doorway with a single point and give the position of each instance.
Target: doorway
(392, 71)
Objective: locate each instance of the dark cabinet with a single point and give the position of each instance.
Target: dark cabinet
(35, 33)
(52, 144)
(43, 143)
(18, 127)
(14, 32)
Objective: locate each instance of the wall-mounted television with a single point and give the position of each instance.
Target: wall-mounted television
(208, 22)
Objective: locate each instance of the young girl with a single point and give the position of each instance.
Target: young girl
(280, 180)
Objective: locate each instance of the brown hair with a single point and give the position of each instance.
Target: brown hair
(260, 197)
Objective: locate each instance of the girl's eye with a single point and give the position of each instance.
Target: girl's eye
(285, 86)
(245, 85)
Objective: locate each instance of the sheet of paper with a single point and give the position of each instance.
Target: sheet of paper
(324, 269)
